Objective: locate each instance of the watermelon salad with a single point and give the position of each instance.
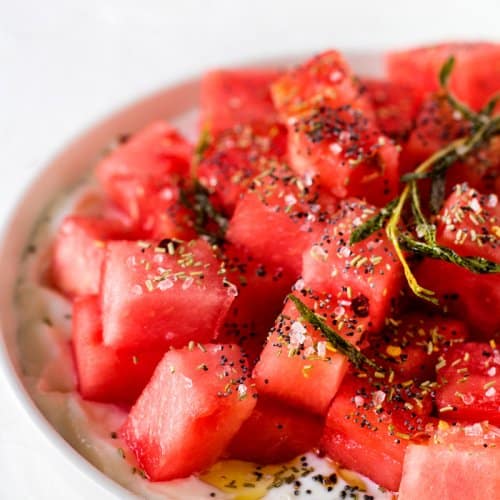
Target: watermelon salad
(316, 277)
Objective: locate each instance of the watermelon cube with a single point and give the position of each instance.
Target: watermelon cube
(369, 271)
(324, 80)
(469, 377)
(275, 433)
(235, 156)
(78, 253)
(191, 409)
(149, 292)
(475, 78)
(461, 462)
(297, 365)
(237, 96)
(347, 151)
(468, 223)
(395, 106)
(368, 432)
(151, 162)
(411, 344)
(261, 292)
(105, 374)
(279, 217)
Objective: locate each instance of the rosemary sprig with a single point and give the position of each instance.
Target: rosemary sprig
(435, 167)
(373, 224)
(357, 358)
(475, 264)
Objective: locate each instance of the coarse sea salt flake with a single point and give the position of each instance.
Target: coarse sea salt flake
(321, 348)
(492, 201)
(335, 148)
(299, 285)
(359, 401)
(165, 284)
(491, 392)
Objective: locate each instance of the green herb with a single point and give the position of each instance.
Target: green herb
(373, 224)
(483, 128)
(198, 199)
(477, 265)
(357, 358)
(203, 144)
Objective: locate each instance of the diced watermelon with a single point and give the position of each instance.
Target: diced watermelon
(459, 463)
(78, 253)
(149, 292)
(475, 77)
(368, 433)
(468, 223)
(236, 156)
(368, 270)
(279, 217)
(105, 374)
(151, 162)
(469, 377)
(395, 106)
(190, 410)
(325, 79)
(261, 291)
(347, 151)
(437, 124)
(297, 365)
(275, 433)
(232, 97)
(410, 345)
(464, 294)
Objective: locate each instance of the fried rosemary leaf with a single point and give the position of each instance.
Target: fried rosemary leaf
(357, 358)
(477, 265)
(490, 106)
(198, 199)
(373, 224)
(203, 144)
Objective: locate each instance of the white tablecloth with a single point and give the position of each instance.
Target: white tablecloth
(64, 64)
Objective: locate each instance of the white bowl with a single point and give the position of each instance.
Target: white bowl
(176, 104)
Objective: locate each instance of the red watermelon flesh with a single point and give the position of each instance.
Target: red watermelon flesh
(149, 291)
(475, 77)
(368, 433)
(411, 344)
(461, 462)
(465, 295)
(279, 217)
(396, 106)
(368, 269)
(469, 223)
(275, 433)
(238, 96)
(261, 292)
(469, 377)
(324, 80)
(348, 153)
(297, 366)
(104, 374)
(193, 406)
(79, 251)
(151, 162)
(235, 156)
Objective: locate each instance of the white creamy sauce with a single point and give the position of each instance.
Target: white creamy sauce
(49, 375)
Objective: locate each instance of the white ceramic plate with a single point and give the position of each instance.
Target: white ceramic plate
(177, 104)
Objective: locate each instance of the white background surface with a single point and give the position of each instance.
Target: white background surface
(64, 64)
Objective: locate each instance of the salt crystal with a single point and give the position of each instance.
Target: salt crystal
(167, 194)
(242, 390)
(467, 399)
(492, 200)
(165, 284)
(299, 285)
(473, 430)
(232, 290)
(378, 397)
(490, 393)
(474, 204)
(359, 401)
(290, 200)
(321, 348)
(345, 252)
(344, 136)
(339, 311)
(335, 148)
(137, 290)
(187, 282)
(492, 371)
(297, 331)
(336, 76)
